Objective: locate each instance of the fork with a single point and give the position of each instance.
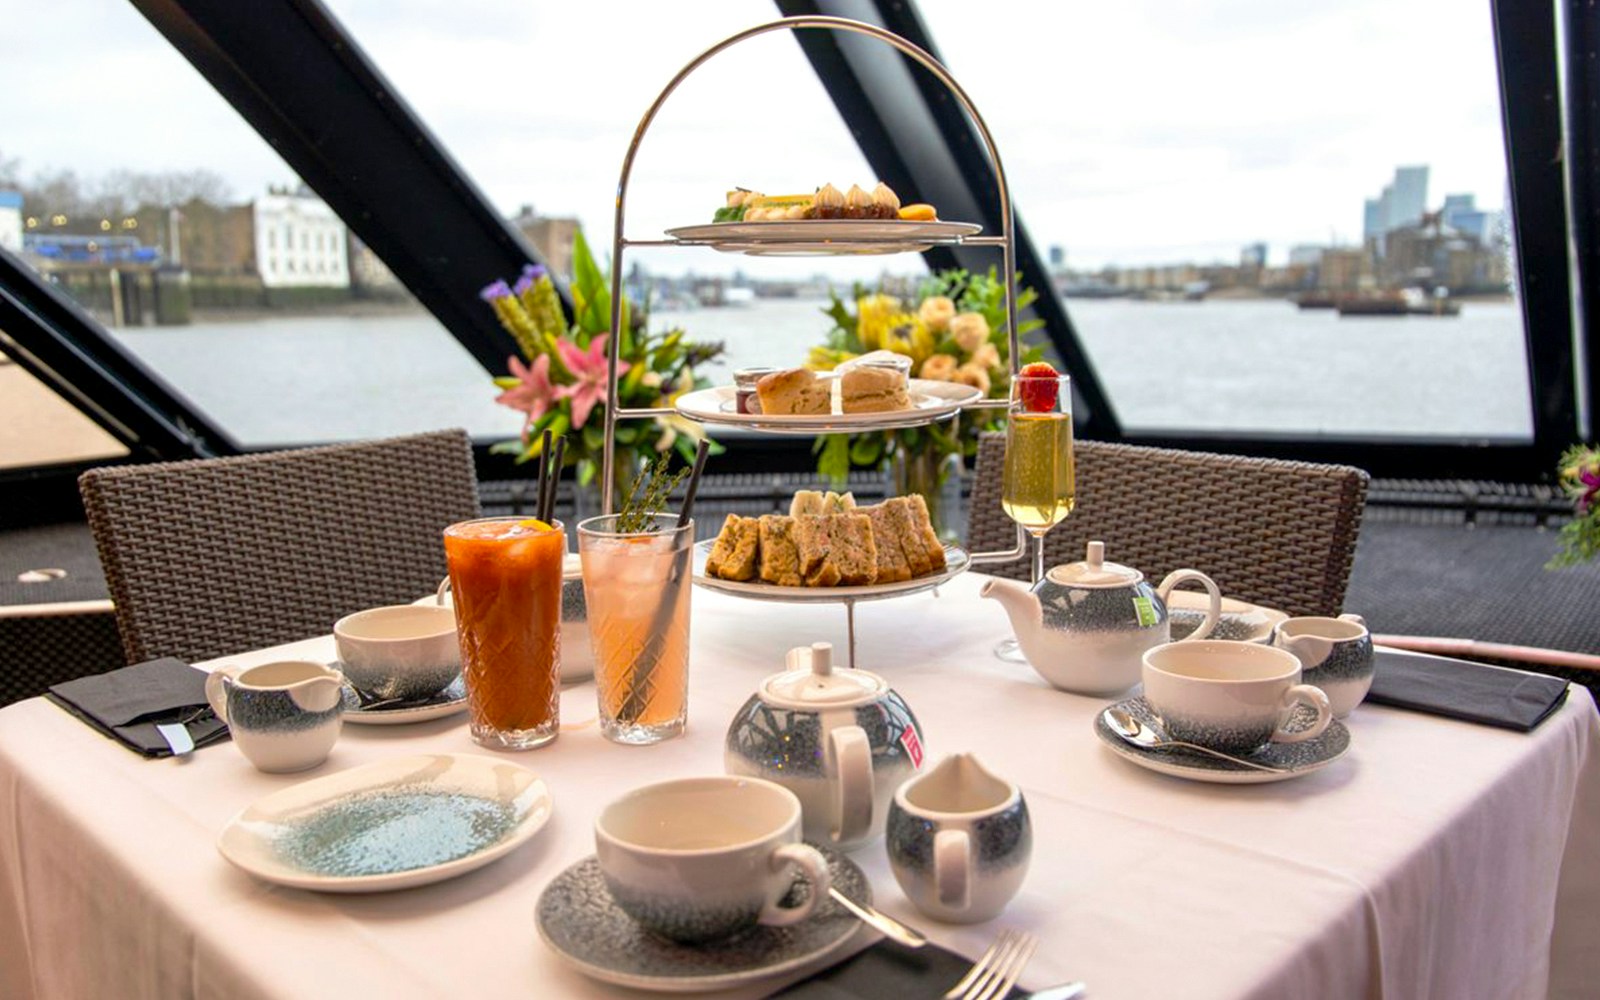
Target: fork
(995, 972)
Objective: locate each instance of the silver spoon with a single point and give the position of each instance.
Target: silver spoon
(889, 926)
(1140, 735)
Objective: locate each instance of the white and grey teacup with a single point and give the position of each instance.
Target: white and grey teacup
(959, 840)
(1335, 654)
(701, 859)
(404, 651)
(1230, 696)
(283, 716)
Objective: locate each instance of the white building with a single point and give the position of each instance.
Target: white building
(300, 242)
(11, 221)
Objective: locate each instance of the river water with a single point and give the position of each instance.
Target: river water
(1259, 366)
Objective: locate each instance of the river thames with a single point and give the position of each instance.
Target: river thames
(1252, 365)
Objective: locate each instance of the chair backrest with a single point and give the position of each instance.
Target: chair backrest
(1271, 532)
(45, 644)
(217, 556)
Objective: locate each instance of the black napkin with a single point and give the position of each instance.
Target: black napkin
(887, 969)
(127, 704)
(1457, 689)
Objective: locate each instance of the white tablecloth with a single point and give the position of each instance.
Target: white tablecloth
(1438, 859)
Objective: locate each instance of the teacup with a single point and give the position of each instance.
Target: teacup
(959, 840)
(283, 716)
(1230, 696)
(1335, 654)
(404, 651)
(701, 859)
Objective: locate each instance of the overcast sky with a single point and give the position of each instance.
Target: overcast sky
(1143, 131)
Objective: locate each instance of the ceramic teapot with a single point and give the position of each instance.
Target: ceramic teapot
(1085, 625)
(840, 739)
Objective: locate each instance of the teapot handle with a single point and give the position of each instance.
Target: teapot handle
(1213, 599)
(852, 756)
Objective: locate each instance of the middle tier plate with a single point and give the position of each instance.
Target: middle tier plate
(930, 401)
(956, 561)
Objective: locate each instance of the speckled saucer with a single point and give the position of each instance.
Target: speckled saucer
(578, 920)
(1239, 621)
(1297, 759)
(392, 824)
(448, 702)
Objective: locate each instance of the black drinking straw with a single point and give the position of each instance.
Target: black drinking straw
(547, 492)
(544, 463)
(694, 482)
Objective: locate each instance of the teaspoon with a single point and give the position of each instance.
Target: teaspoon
(1140, 735)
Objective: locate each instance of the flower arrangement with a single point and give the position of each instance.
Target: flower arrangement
(1579, 477)
(559, 382)
(953, 331)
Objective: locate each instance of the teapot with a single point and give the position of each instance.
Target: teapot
(838, 738)
(1085, 625)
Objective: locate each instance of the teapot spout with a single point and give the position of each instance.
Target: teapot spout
(1021, 604)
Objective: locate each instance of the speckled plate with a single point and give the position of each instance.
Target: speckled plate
(1239, 621)
(389, 825)
(1297, 759)
(578, 920)
(448, 702)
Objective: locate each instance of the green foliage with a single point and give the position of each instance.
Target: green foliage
(1579, 476)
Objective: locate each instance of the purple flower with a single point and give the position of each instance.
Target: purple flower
(498, 290)
(530, 274)
(1590, 478)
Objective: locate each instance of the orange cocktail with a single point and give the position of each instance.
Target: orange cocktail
(506, 576)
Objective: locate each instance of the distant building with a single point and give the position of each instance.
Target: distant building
(1403, 203)
(1343, 269)
(11, 221)
(202, 238)
(551, 237)
(1253, 256)
(1058, 257)
(369, 274)
(299, 242)
(1305, 255)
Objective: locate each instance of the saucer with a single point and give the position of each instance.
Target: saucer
(451, 700)
(392, 824)
(1240, 621)
(1297, 758)
(577, 918)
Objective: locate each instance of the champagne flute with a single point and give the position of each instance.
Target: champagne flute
(1038, 486)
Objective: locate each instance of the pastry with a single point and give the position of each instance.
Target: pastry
(829, 203)
(857, 203)
(918, 213)
(885, 203)
(780, 560)
(792, 391)
(771, 208)
(733, 555)
(865, 389)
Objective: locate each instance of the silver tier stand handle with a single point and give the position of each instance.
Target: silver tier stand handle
(1006, 241)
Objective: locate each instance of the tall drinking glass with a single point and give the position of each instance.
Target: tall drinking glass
(637, 586)
(506, 576)
(1039, 484)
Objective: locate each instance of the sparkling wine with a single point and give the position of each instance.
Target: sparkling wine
(1039, 482)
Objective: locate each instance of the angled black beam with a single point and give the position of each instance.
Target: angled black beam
(294, 73)
(1582, 32)
(1526, 48)
(918, 139)
(60, 345)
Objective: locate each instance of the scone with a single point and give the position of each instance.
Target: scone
(872, 390)
(795, 390)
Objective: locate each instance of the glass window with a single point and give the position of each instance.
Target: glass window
(38, 427)
(273, 351)
(1211, 180)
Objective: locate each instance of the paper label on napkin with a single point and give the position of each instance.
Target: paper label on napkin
(1146, 610)
(908, 739)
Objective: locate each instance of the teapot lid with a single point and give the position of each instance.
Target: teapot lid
(1094, 571)
(812, 682)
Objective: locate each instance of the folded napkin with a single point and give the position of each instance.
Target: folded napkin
(127, 704)
(1457, 689)
(887, 969)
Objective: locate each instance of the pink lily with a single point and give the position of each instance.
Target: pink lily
(589, 368)
(535, 394)
(1591, 479)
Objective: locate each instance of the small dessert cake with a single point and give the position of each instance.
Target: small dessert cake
(793, 391)
(866, 389)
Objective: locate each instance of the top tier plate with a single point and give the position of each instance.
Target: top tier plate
(811, 237)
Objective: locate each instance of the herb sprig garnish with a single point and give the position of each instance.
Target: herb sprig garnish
(648, 496)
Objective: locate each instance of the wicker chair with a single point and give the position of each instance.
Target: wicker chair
(45, 644)
(1281, 534)
(210, 557)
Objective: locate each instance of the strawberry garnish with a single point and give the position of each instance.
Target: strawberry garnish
(1039, 384)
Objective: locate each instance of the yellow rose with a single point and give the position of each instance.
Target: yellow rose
(969, 330)
(986, 356)
(939, 367)
(974, 376)
(936, 311)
